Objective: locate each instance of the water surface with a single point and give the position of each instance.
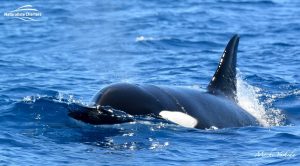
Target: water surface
(77, 48)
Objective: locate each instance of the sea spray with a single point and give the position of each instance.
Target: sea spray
(248, 98)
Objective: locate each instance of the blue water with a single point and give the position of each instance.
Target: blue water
(79, 47)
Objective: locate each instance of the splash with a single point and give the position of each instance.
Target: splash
(248, 98)
(59, 97)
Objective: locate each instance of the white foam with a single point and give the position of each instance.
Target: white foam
(142, 38)
(248, 99)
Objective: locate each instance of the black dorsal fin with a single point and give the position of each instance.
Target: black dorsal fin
(224, 79)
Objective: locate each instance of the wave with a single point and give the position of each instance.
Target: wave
(247, 2)
(143, 38)
(249, 99)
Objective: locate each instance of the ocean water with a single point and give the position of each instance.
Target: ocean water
(78, 47)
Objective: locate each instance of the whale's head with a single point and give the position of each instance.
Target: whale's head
(99, 115)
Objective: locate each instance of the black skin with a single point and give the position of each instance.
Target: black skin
(217, 107)
(209, 110)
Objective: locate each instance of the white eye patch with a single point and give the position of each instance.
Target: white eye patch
(179, 118)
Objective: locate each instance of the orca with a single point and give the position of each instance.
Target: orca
(216, 107)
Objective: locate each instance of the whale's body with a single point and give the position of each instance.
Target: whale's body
(188, 107)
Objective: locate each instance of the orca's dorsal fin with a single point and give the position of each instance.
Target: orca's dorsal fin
(224, 80)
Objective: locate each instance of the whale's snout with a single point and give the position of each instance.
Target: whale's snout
(100, 115)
